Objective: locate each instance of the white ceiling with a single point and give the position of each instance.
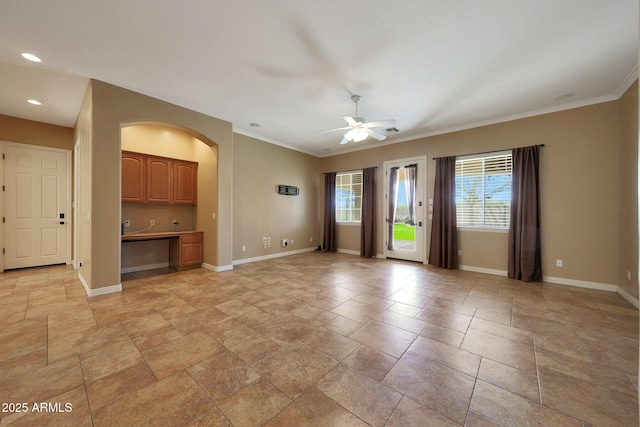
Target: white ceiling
(291, 66)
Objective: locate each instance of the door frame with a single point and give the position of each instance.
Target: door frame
(67, 154)
(421, 195)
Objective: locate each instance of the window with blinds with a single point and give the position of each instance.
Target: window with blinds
(483, 191)
(349, 196)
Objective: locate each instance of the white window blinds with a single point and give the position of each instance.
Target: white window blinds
(483, 191)
(349, 196)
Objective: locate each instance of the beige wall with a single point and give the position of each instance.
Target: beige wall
(579, 187)
(13, 129)
(109, 108)
(259, 211)
(628, 169)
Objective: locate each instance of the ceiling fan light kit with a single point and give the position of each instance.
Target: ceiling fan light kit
(359, 129)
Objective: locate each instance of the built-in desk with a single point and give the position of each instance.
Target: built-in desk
(185, 247)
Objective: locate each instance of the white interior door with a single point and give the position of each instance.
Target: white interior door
(36, 200)
(404, 209)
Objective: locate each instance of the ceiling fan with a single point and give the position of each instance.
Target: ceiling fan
(358, 129)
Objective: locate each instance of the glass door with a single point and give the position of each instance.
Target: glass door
(404, 196)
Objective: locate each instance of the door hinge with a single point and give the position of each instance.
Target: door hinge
(2, 251)
(3, 220)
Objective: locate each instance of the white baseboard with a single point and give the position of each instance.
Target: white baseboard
(483, 270)
(348, 251)
(216, 268)
(100, 291)
(630, 298)
(144, 267)
(271, 256)
(562, 281)
(581, 283)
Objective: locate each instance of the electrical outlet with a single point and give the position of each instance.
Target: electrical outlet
(174, 221)
(291, 241)
(127, 223)
(558, 263)
(244, 248)
(153, 222)
(285, 242)
(459, 252)
(311, 239)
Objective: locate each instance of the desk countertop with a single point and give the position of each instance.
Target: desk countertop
(156, 235)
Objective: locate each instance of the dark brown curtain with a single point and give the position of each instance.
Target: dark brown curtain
(330, 243)
(368, 220)
(525, 260)
(444, 237)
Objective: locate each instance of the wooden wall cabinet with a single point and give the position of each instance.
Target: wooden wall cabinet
(155, 179)
(159, 179)
(185, 182)
(133, 177)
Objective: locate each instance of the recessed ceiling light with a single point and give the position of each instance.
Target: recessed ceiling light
(34, 102)
(31, 57)
(254, 125)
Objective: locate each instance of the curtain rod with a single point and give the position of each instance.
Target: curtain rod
(353, 170)
(487, 152)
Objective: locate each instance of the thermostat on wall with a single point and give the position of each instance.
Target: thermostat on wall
(288, 190)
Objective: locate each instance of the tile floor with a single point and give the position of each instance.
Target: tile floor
(315, 339)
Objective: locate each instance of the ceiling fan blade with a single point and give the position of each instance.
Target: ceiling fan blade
(332, 130)
(344, 141)
(374, 134)
(381, 124)
(350, 120)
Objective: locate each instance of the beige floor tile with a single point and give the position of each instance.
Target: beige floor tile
(330, 343)
(294, 368)
(456, 321)
(513, 353)
(367, 398)
(401, 321)
(343, 325)
(175, 400)
(510, 379)
(612, 379)
(82, 342)
(222, 375)
(313, 408)
(411, 414)
(37, 384)
(460, 360)
(108, 360)
(370, 362)
(23, 337)
(112, 387)
(212, 418)
(255, 404)
(439, 388)
(443, 335)
(169, 358)
(385, 338)
(588, 401)
(512, 410)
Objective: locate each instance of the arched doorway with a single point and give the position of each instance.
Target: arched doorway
(175, 142)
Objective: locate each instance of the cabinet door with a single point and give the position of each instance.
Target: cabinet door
(185, 182)
(159, 175)
(133, 177)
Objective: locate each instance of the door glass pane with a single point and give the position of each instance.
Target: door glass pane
(404, 228)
